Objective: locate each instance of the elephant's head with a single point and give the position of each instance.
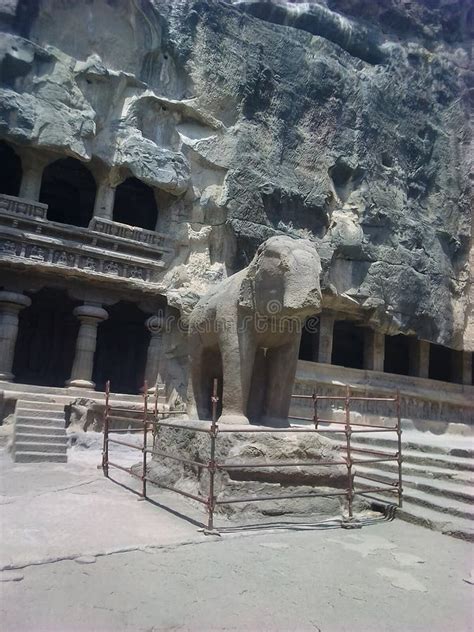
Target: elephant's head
(283, 279)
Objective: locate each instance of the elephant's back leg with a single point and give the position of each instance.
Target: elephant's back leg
(206, 365)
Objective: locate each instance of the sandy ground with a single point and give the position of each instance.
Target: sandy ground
(79, 553)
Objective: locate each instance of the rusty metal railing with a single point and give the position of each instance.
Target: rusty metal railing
(155, 419)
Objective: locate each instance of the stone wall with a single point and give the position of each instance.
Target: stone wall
(346, 123)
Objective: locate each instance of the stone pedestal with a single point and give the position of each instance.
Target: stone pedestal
(374, 351)
(154, 324)
(420, 358)
(243, 449)
(90, 317)
(326, 327)
(10, 305)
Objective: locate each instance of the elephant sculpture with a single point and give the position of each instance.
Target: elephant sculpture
(247, 329)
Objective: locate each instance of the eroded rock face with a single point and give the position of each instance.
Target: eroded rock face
(345, 122)
(242, 450)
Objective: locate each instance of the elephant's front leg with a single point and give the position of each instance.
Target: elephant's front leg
(238, 354)
(281, 371)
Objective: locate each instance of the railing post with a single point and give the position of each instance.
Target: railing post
(211, 501)
(348, 433)
(145, 429)
(399, 437)
(315, 409)
(105, 445)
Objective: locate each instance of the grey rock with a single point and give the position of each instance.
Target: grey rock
(346, 123)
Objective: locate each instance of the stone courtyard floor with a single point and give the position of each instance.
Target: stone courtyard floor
(79, 553)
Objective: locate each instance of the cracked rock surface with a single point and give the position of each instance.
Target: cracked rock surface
(343, 121)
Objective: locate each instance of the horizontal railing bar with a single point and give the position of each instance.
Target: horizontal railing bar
(178, 491)
(375, 479)
(341, 397)
(225, 466)
(126, 430)
(182, 427)
(175, 458)
(372, 399)
(369, 451)
(303, 396)
(375, 430)
(250, 499)
(129, 410)
(124, 469)
(272, 430)
(362, 492)
(393, 458)
(129, 445)
(301, 418)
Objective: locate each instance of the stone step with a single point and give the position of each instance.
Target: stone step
(38, 457)
(27, 413)
(458, 491)
(452, 446)
(426, 459)
(40, 421)
(39, 430)
(41, 446)
(412, 496)
(59, 437)
(435, 472)
(437, 521)
(23, 404)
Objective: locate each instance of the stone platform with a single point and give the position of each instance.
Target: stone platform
(243, 449)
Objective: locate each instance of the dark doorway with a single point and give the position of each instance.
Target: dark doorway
(46, 340)
(309, 345)
(397, 355)
(441, 363)
(122, 345)
(68, 188)
(11, 171)
(348, 345)
(135, 204)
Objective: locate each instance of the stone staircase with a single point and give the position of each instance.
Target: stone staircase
(438, 476)
(40, 433)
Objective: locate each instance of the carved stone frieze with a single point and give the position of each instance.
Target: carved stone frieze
(18, 206)
(98, 264)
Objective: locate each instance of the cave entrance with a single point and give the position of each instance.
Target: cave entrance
(135, 204)
(397, 355)
(46, 341)
(348, 345)
(11, 171)
(69, 189)
(309, 345)
(441, 363)
(122, 345)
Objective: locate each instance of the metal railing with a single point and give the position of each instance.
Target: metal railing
(153, 419)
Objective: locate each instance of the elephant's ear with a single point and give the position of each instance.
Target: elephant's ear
(246, 294)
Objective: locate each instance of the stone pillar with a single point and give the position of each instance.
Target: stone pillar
(462, 367)
(419, 358)
(374, 350)
(154, 324)
(11, 303)
(104, 201)
(90, 317)
(33, 167)
(326, 326)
